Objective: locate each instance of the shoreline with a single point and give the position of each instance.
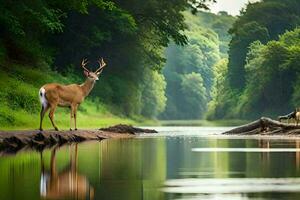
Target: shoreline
(13, 141)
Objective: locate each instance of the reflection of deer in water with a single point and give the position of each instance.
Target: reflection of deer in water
(65, 184)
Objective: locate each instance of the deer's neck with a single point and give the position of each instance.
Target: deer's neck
(87, 86)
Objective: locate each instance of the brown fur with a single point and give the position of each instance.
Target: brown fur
(68, 95)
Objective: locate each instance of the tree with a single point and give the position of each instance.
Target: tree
(238, 49)
(263, 21)
(153, 95)
(194, 97)
(272, 72)
(260, 76)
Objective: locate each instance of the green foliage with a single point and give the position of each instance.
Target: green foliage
(48, 39)
(130, 35)
(238, 50)
(24, 26)
(269, 84)
(20, 104)
(263, 63)
(263, 21)
(194, 98)
(219, 94)
(219, 23)
(272, 72)
(153, 95)
(193, 65)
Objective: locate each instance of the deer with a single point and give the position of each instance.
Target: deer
(54, 94)
(287, 117)
(293, 115)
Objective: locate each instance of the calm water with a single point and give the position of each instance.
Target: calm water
(177, 163)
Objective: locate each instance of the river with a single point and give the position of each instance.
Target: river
(182, 163)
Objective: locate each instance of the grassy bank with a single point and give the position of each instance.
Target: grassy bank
(88, 117)
(20, 106)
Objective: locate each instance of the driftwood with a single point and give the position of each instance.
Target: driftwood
(13, 141)
(265, 126)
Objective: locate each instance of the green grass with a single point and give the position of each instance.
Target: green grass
(87, 119)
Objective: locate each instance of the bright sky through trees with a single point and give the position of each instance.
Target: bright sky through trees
(233, 7)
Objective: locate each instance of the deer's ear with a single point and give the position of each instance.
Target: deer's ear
(86, 73)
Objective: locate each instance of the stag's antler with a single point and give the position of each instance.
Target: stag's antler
(83, 64)
(102, 64)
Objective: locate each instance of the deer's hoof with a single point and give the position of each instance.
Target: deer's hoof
(56, 128)
(71, 129)
(75, 129)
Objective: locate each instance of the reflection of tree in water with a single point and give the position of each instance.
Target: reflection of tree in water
(67, 183)
(285, 163)
(132, 169)
(265, 156)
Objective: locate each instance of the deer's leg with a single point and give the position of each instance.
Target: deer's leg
(51, 116)
(71, 116)
(75, 116)
(42, 114)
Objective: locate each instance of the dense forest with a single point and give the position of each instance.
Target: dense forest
(45, 41)
(165, 59)
(261, 75)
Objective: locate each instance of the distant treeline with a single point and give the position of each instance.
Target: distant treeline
(261, 75)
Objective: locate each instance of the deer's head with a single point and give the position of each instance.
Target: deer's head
(94, 76)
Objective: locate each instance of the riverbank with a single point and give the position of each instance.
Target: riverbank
(13, 141)
(20, 106)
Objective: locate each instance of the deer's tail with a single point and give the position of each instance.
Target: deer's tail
(43, 99)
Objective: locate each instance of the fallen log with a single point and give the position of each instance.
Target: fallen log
(265, 126)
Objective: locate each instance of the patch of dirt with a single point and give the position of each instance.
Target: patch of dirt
(13, 141)
(122, 128)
